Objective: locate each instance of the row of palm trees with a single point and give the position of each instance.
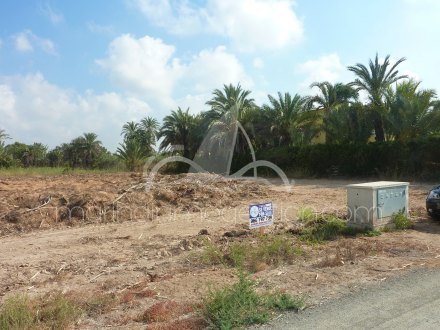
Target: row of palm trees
(378, 105)
(85, 151)
(393, 107)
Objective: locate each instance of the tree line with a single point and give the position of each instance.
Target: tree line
(379, 105)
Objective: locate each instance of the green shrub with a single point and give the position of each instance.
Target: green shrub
(401, 221)
(325, 228)
(393, 159)
(240, 305)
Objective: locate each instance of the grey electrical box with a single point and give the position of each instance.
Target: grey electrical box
(372, 204)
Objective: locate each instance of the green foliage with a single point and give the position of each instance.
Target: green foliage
(212, 254)
(16, 313)
(375, 80)
(53, 312)
(283, 301)
(180, 128)
(393, 159)
(401, 221)
(132, 153)
(325, 228)
(264, 251)
(239, 305)
(306, 214)
(58, 312)
(236, 306)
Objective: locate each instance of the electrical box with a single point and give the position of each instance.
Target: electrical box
(372, 204)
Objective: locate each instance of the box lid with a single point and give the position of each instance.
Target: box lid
(377, 184)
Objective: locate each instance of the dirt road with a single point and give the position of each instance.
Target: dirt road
(410, 301)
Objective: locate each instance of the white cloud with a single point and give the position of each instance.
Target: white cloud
(211, 69)
(26, 40)
(22, 43)
(34, 110)
(250, 24)
(178, 17)
(146, 67)
(257, 24)
(325, 68)
(143, 66)
(54, 16)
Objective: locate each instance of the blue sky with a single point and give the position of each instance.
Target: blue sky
(69, 67)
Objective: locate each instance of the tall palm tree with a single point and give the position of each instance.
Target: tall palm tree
(413, 112)
(91, 148)
(130, 130)
(330, 99)
(150, 126)
(375, 81)
(223, 100)
(177, 129)
(289, 117)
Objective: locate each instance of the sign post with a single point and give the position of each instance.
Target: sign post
(260, 216)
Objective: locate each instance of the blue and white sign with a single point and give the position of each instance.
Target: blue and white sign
(260, 215)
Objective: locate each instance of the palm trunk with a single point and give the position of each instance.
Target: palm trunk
(378, 128)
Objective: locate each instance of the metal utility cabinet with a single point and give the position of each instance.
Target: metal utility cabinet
(372, 204)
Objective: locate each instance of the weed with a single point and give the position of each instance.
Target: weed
(283, 302)
(16, 313)
(306, 214)
(236, 305)
(324, 228)
(401, 221)
(240, 305)
(58, 312)
(212, 255)
(53, 311)
(253, 256)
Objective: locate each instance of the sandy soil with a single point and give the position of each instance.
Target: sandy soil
(109, 234)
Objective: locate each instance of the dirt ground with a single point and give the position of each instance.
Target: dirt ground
(115, 234)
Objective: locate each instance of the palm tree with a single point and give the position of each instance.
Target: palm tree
(413, 113)
(330, 99)
(177, 129)
(130, 130)
(150, 126)
(289, 117)
(132, 153)
(350, 124)
(375, 81)
(223, 100)
(91, 148)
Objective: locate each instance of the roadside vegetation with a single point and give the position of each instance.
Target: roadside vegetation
(52, 311)
(240, 305)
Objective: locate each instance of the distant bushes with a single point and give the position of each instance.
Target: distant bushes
(414, 159)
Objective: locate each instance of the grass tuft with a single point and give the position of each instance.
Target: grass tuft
(17, 313)
(240, 305)
(265, 251)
